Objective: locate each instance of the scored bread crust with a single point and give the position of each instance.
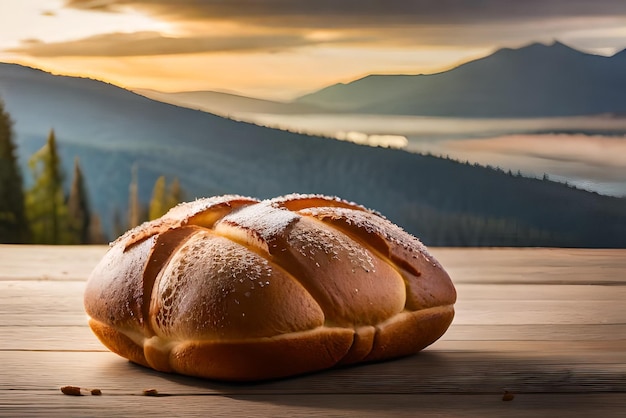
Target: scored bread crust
(237, 289)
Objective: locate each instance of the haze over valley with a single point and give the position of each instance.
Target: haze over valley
(568, 126)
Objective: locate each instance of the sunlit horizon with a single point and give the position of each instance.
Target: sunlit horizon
(278, 50)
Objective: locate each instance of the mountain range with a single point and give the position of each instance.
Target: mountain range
(533, 81)
(444, 202)
(537, 80)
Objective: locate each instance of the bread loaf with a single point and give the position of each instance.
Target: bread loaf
(233, 288)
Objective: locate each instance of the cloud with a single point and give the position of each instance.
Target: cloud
(96, 5)
(153, 43)
(394, 23)
(360, 13)
(276, 25)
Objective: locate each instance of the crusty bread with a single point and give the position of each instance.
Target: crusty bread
(238, 289)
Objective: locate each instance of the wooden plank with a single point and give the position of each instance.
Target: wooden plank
(32, 403)
(550, 370)
(487, 405)
(465, 265)
(467, 313)
(23, 324)
(535, 332)
(587, 351)
(48, 262)
(519, 312)
(560, 338)
(534, 265)
(547, 324)
(23, 302)
(42, 303)
(49, 338)
(70, 293)
(68, 296)
(610, 294)
(80, 337)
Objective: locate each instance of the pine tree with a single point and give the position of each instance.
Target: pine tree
(45, 201)
(13, 222)
(78, 207)
(96, 231)
(118, 224)
(134, 205)
(175, 194)
(164, 198)
(157, 202)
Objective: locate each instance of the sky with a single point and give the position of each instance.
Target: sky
(280, 49)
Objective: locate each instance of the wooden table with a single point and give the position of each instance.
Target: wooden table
(546, 325)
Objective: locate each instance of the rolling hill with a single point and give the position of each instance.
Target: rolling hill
(441, 201)
(534, 81)
(227, 103)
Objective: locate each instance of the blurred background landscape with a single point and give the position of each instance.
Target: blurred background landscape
(498, 125)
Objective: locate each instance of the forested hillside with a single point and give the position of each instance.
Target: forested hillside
(441, 201)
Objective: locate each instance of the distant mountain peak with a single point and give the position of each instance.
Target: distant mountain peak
(559, 44)
(538, 79)
(553, 48)
(555, 44)
(620, 54)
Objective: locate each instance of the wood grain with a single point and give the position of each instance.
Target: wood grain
(548, 325)
(32, 403)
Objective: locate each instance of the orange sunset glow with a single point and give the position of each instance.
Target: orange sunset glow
(281, 49)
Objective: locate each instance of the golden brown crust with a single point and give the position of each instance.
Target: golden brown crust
(410, 332)
(351, 284)
(118, 342)
(361, 345)
(115, 294)
(236, 289)
(263, 358)
(224, 291)
(202, 212)
(428, 284)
